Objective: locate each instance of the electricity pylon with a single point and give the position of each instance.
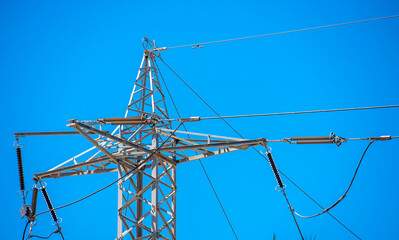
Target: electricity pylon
(145, 150)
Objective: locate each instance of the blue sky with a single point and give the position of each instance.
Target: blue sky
(63, 60)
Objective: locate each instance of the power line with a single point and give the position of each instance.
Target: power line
(220, 203)
(202, 165)
(220, 117)
(347, 190)
(292, 212)
(195, 45)
(289, 179)
(23, 235)
(234, 131)
(289, 113)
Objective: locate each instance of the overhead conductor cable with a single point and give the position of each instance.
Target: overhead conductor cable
(347, 190)
(285, 113)
(202, 165)
(201, 45)
(222, 118)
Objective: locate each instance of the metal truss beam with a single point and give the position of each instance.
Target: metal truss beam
(147, 185)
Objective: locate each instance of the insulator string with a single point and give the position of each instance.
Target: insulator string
(20, 170)
(49, 204)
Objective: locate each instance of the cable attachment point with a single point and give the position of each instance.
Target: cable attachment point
(16, 143)
(198, 46)
(332, 137)
(25, 210)
(318, 140)
(56, 223)
(190, 119)
(148, 45)
(382, 138)
(265, 149)
(279, 189)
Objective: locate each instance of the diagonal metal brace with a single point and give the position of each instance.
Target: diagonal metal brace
(120, 140)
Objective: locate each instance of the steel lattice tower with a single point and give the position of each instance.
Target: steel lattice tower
(145, 150)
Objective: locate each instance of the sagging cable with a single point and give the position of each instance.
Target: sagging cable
(347, 190)
(30, 235)
(58, 230)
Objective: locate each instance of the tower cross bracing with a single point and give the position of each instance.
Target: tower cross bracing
(144, 149)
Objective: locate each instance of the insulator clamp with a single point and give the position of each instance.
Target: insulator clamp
(25, 210)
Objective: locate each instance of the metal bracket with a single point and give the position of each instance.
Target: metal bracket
(25, 210)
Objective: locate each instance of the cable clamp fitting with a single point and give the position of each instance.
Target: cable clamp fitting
(17, 144)
(190, 119)
(263, 142)
(56, 223)
(265, 150)
(384, 138)
(25, 210)
(158, 49)
(280, 189)
(33, 223)
(198, 46)
(341, 198)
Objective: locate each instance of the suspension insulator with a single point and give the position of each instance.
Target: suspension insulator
(34, 201)
(20, 169)
(275, 171)
(49, 205)
(315, 142)
(309, 138)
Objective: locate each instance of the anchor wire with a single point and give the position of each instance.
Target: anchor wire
(292, 113)
(227, 124)
(199, 45)
(202, 165)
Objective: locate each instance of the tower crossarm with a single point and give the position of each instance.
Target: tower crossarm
(234, 144)
(191, 146)
(144, 149)
(78, 125)
(93, 166)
